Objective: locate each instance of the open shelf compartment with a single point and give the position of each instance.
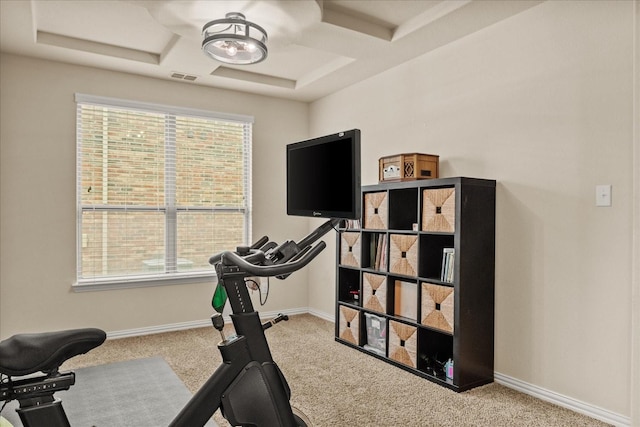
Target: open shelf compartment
(349, 286)
(375, 251)
(434, 349)
(432, 255)
(407, 217)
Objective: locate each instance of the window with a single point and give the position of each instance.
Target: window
(159, 190)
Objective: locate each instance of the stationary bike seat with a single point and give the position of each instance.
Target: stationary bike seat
(25, 354)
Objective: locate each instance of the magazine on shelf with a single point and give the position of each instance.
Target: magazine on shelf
(448, 262)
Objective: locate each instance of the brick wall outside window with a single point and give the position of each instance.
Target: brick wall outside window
(158, 193)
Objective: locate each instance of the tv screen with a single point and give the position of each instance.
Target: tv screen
(323, 176)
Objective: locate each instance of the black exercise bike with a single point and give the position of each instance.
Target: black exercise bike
(248, 386)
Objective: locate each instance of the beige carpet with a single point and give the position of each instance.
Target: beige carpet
(335, 385)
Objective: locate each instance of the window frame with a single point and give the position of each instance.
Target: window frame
(170, 208)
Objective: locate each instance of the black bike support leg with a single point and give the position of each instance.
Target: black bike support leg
(206, 401)
(42, 411)
(249, 325)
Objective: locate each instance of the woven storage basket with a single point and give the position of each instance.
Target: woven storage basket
(349, 324)
(375, 210)
(402, 343)
(350, 249)
(438, 307)
(374, 291)
(403, 254)
(439, 210)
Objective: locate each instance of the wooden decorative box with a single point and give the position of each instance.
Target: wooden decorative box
(374, 292)
(349, 325)
(438, 307)
(375, 210)
(439, 210)
(403, 341)
(403, 254)
(408, 167)
(350, 249)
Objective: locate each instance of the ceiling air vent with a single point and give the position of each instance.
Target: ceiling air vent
(183, 76)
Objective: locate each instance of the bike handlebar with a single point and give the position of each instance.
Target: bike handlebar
(258, 244)
(232, 258)
(286, 258)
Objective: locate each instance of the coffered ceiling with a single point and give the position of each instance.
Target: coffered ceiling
(316, 47)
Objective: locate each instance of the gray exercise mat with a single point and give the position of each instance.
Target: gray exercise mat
(135, 393)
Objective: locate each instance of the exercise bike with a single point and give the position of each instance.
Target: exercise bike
(248, 386)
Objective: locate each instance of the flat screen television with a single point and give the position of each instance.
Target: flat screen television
(323, 176)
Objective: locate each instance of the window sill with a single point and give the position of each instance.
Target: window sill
(114, 283)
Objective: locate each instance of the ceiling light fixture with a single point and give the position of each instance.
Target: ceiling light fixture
(234, 40)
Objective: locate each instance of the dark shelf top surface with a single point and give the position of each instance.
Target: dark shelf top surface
(438, 182)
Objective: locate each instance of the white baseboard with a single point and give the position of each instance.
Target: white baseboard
(563, 401)
(158, 329)
(195, 324)
(321, 314)
(507, 381)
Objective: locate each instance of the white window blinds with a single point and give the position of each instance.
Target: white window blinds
(159, 189)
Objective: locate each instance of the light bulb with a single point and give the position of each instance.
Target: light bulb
(232, 50)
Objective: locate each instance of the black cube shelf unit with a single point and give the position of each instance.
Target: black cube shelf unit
(415, 278)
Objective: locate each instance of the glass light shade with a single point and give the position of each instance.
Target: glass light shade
(234, 40)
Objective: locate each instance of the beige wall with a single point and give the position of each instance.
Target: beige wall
(635, 327)
(543, 103)
(37, 209)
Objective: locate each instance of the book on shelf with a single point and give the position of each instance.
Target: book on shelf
(374, 251)
(351, 224)
(378, 252)
(448, 263)
(383, 254)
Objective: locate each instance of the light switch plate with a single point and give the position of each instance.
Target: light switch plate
(603, 195)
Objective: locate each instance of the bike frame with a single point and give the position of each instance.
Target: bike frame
(248, 346)
(270, 397)
(248, 386)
